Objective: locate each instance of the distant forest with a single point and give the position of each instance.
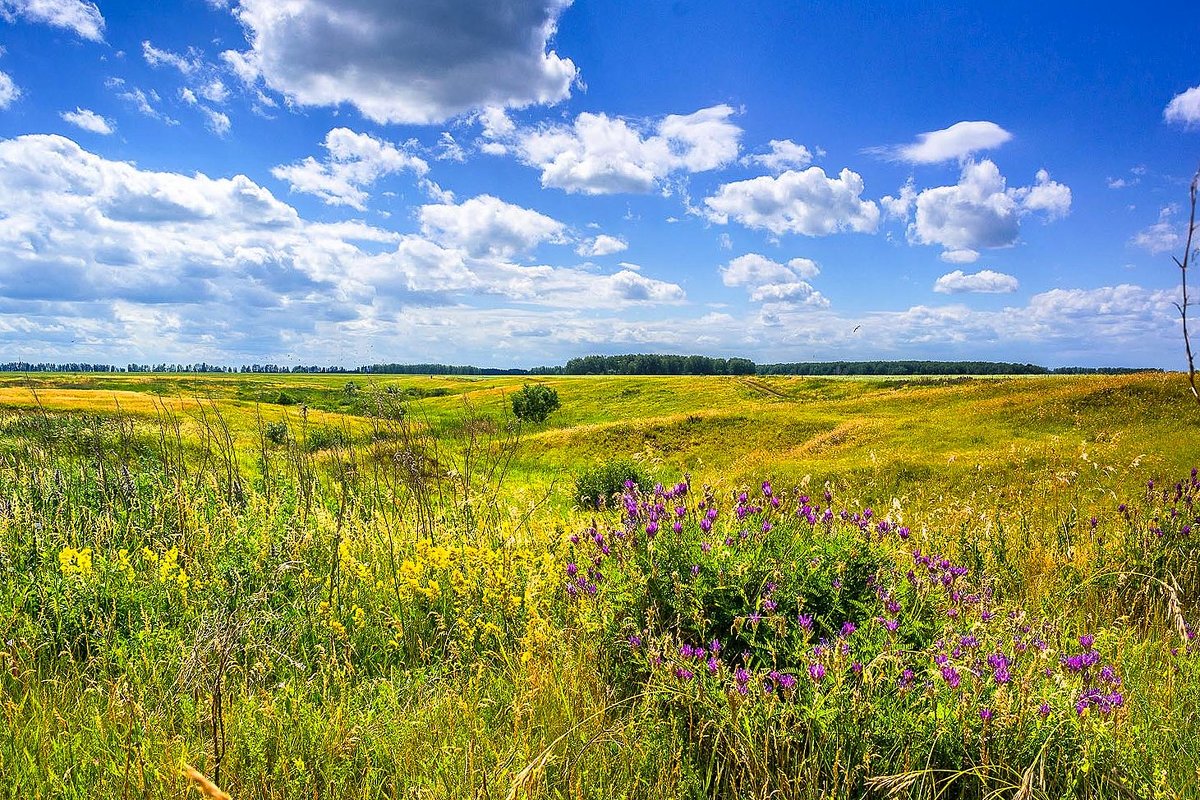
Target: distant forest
(630, 364)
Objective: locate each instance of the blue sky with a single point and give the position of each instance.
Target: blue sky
(512, 184)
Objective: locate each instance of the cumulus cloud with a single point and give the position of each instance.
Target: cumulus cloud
(133, 263)
(980, 211)
(1184, 108)
(599, 154)
(767, 280)
(353, 162)
(808, 202)
(88, 120)
(985, 281)
(1050, 197)
(8, 90)
(960, 140)
(630, 286)
(486, 225)
(783, 154)
(900, 206)
(602, 245)
(420, 62)
(74, 15)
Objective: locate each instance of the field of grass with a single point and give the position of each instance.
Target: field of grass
(383, 586)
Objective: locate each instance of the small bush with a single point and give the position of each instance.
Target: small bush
(276, 432)
(323, 438)
(598, 484)
(534, 403)
(285, 399)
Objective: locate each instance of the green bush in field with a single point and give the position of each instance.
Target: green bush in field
(276, 432)
(534, 403)
(324, 438)
(598, 484)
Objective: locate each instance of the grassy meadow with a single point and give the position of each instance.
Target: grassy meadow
(385, 586)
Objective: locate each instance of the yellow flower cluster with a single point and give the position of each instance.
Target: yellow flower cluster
(75, 562)
(168, 570)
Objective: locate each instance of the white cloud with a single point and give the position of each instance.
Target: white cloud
(135, 264)
(959, 256)
(448, 149)
(188, 65)
(74, 15)
(1184, 108)
(599, 154)
(901, 206)
(495, 122)
(602, 245)
(753, 269)
(218, 122)
(486, 225)
(985, 281)
(784, 154)
(1163, 236)
(808, 202)
(354, 161)
(959, 141)
(794, 291)
(88, 120)
(630, 286)
(214, 90)
(418, 62)
(770, 281)
(142, 101)
(8, 90)
(981, 212)
(1050, 197)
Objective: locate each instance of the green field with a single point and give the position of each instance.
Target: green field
(384, 586)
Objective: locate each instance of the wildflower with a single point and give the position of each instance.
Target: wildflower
(848, 628)
(741, 678)
(695, 570)
(985, 713)
(1044, 709)
(816, 672)
(75, 562)
(951, 676)
(906, 678)
(805, 620)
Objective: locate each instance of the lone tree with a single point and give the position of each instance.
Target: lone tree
(534, 403)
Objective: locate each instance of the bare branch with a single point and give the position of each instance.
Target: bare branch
(1183, 268)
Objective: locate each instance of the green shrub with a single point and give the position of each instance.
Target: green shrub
(276, 432)
(323, 438)
(598, 484)
(534, 403)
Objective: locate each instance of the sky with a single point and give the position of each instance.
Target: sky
(511, 184)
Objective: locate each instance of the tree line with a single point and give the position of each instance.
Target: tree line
(628, 364)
